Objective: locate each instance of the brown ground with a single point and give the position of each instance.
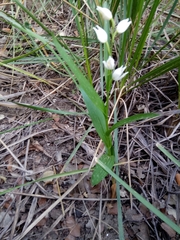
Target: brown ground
(36, 211)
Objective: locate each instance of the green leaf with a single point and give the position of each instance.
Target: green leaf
(141, 199)
(61, 112)
(169, 15)
(99, 173)
(26, 125)
(98, 120)
(146, 29)
(168, 154)
(131, 119)
(55, 176)
(164, 68)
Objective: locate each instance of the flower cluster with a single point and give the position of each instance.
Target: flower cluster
(102, 36)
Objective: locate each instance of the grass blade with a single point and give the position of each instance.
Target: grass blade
(168, 154)
(61, 112)
(141, 199)
(131, 119)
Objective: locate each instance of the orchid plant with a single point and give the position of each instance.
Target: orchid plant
(111, 74)
(98, 110)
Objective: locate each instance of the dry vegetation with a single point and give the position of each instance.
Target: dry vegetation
(69, 207)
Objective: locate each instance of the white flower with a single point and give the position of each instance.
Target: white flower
(101, 34)
(118, 73)
(109, 64)
(123, 25)
(105, 12)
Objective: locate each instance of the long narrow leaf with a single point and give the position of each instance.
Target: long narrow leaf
(55, 176)
(61, 112)
(153, 209)
(168, 154)
(173, 63)
(164, 24)
(136, 57)
(131, 119)
(98, 120)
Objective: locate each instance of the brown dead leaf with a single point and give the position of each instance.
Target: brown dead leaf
(96, 188)
(42, 202)
(168, 229)
(56, 117)
(137, 217)
(178, 179)
(143, 231)
(70, 237)
(76, 33)
(7, 203)
(56, 188)
(6, 30)
(144, 210)
(2, 179)
(112, 208)
(140, 173)
(73, 226)
(42, 222)
(3, 53)
(8, 159)
(113, 190)
(48, 174)
(37, 147)
(129, 214)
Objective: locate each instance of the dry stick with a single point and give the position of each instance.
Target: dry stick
(128, 155)
(56, 222)
(12, 154)
(16, 217)
(31, 211)
(25, 138)
(79, 11)
(59, 191)
(5, 97)
(51, 207)
(18, 208)
(100, 215)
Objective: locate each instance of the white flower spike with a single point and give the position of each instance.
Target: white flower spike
(105, 12)
(109, 64)
(123, 25)
(118, 73)
(101, 34)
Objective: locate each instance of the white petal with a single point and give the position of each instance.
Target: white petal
(101, 34)
(109, 64)
(105, 12)
(118, 73)
(123, 25)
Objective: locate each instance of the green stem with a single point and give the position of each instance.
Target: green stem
(108, 48)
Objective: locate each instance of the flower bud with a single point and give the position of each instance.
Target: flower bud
(123, 25)
(101, 34)
(109, 64)
(118, 73)
(105, 12)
